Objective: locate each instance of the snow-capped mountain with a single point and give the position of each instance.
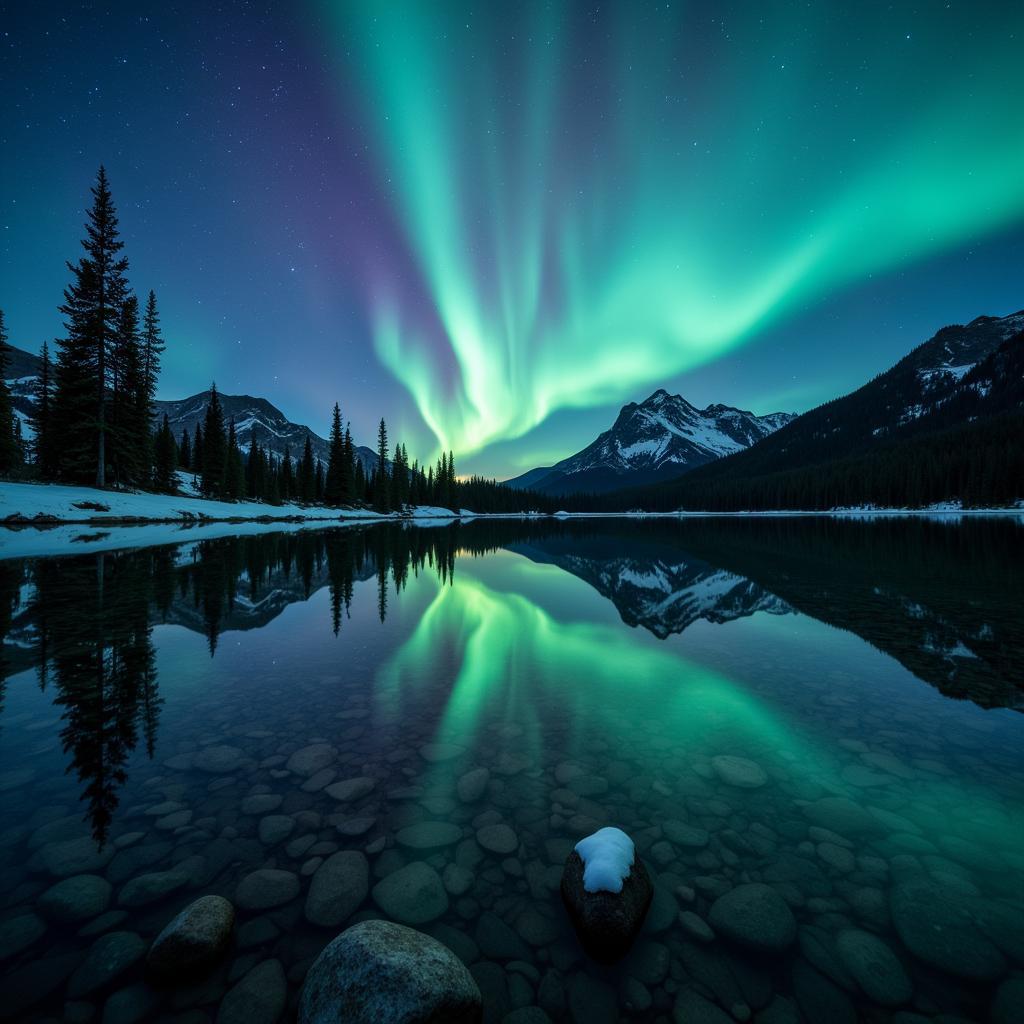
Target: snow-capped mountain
(657, 439)
(255, 419)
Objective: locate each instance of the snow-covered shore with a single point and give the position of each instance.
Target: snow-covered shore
(44, 504)
(49, 519)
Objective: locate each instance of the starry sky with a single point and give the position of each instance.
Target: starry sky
(495, 223)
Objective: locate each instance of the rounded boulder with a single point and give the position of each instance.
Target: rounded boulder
(193, 942)
(377, 972)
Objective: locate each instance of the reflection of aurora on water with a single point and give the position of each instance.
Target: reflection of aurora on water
(531, 687)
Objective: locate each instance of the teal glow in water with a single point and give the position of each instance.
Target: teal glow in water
(832, 708)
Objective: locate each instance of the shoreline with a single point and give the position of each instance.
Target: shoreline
(44, 506)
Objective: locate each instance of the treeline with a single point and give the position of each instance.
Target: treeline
(93, 415)
(222, 470)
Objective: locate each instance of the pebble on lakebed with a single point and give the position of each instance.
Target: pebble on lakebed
(607, 891)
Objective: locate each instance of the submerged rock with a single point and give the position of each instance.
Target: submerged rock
(192, 942)
(414, 894)
(606, 918)
(874, 967)
(75, 899)
(755, 916)
(739, 771)
(259, 998)
(218, 759)
(338, 887)
(377, 972)
(937, 925)
(266, 888)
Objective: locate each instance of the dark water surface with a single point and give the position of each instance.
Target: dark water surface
(832, 708)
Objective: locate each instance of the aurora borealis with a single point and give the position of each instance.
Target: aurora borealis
(494, 224)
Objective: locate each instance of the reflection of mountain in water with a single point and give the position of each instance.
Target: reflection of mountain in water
(655, 585)
(943, 598)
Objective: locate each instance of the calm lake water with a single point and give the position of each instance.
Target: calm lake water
(833, 708)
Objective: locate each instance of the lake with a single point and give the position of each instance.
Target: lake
(831, 707)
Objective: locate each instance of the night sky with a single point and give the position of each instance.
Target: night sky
(495, 223)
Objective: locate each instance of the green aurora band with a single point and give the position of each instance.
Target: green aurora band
(597, 204)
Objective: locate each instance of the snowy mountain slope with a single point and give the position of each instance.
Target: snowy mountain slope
(255, 419)
(902, 399)
(659, 438)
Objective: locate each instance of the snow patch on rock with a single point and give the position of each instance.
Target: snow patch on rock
(607, 857)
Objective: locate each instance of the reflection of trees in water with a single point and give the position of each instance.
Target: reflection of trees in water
(96, 649)
(86, 623)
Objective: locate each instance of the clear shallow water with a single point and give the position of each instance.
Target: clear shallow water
(177, 718)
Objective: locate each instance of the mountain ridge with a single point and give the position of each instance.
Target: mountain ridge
(255, 417)
(653, 440)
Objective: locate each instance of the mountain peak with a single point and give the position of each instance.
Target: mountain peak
(661, 437)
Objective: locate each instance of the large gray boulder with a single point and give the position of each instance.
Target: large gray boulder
(377, 972)
(193, 942)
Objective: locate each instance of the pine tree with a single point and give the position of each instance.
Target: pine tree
(42, 419)
(348, 472)
(9, 460)
(197, 451)
(215, 446)
(185, 450)
(307, 474)
(334, 484)
(318, 489)
(359, 482)
(380, 483)
(152, 347)
(92, 307)
(165, 459)
(129, 444)
(233, 487)
(287, 477)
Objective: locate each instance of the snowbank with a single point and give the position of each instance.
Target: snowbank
(80, 539)
(58, 503)
(607, 857)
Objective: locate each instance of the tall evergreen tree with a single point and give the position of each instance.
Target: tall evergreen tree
(92, 307)
(9, 457)
(287, 476)
(152, 347)
(215, 446)
(129, 449)
(348, 472)
(165, 460)
(42, 419)
(359, 482)
(307, 474)
(380, 483)
(197, 451)
(318, 488)
(185, 450)
(334, 483)
(233, 487)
